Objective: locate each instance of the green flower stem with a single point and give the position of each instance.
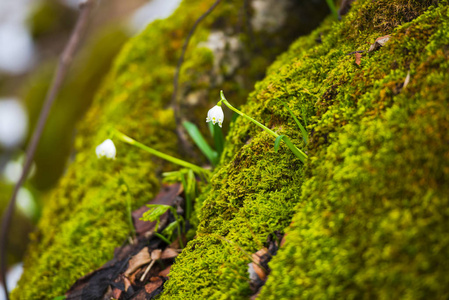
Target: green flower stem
(162, 238)
(128, 140)
(301, 155)
(223, 99)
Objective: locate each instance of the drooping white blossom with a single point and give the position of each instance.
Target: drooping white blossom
(106, 149)
(216, 115)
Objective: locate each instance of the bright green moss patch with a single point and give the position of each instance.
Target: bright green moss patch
(246, 203)
(373, 213)
(85, 217)
(371, 205)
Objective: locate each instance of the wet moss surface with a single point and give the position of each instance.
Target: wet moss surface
(369, 209)
(366, 216)
(85, 217)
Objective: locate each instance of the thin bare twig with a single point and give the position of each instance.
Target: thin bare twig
(354, 52)
(61, 72)
(174, 103)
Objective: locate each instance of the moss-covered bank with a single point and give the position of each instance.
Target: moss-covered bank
(371, 206)
(85, 217)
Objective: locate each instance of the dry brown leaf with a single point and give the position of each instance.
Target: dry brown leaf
(169, 253)
(380, 42)
(156, 254)
(358, 58)
(138, 260)
(283, 240)
(116, 293)
(127, 284)
(153, 285)
(165, 272)
(256, 263)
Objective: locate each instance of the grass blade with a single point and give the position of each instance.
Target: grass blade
(199, 140)
(303, 130)
(333, 8)
(219, 139)
(277, 142)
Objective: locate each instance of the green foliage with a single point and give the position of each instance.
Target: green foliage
(246, 200)
(155, 213)
(199, 140)
(305, 135)
(189, 183)
(218, 136)
(370, 206)
(332, 8)
(277, 142)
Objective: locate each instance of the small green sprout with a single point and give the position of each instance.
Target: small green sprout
(155, 213)
(188, 180)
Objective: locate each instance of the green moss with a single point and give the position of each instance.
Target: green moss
(85, 216)
(372, 217)
(247, 200)
(370, 206)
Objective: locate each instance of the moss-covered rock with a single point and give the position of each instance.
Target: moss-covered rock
(371, 204)
(85, 217)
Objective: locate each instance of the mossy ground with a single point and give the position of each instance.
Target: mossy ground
(86, 217)
(370, 207)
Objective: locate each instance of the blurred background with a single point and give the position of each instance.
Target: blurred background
(32, 35)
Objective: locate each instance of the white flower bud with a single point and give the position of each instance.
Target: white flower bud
(216, 115)
(106, 149)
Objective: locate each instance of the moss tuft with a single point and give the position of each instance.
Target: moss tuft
(370, 206)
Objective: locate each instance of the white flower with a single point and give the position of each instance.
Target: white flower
(106, 149)
(216, 115)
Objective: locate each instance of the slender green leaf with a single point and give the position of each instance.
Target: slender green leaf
(162, 238)
(303, 130)
(190, 192)
(199, 140)
(277, 142)
(301, 155)
(168, 231)
(59, 298)
(155, 213)
(219, 139)
(234, 117)
(304, 116)
(333, 8)
(172, 177)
